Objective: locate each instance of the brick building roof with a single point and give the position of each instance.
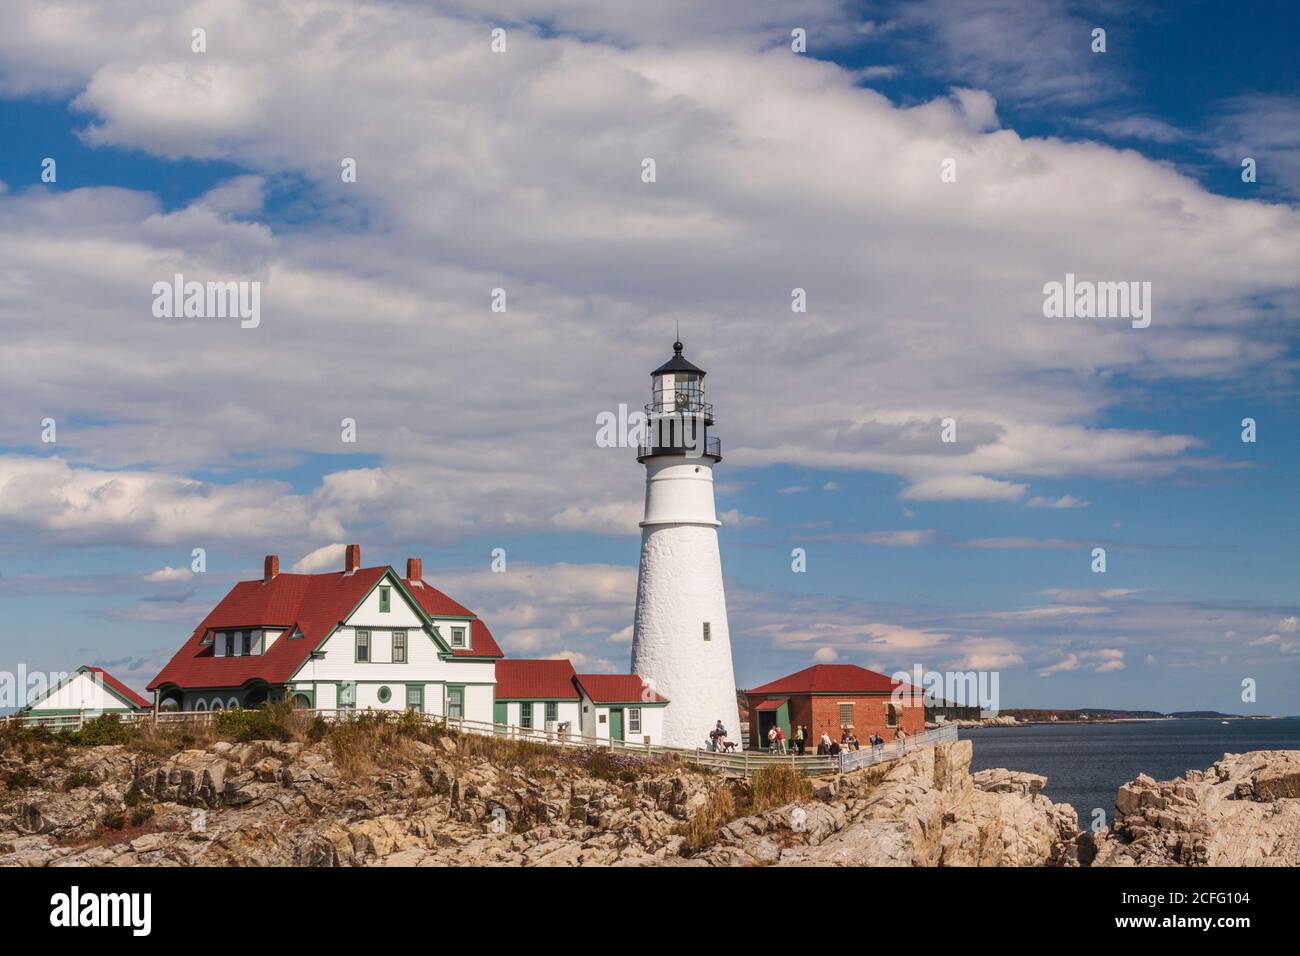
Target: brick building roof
(830, 679)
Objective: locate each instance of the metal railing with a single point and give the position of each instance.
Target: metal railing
(743, 763)
(851, 760)
(688, 405)
(712, 446)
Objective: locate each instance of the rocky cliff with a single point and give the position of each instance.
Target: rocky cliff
(288, 804)
(1242, 811)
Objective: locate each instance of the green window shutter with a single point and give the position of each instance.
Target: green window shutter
(385, 599)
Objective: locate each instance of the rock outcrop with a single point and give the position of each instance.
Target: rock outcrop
(269, 803)
(1243, 811)
(923, 810)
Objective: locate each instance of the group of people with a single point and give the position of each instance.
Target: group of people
(776, 741)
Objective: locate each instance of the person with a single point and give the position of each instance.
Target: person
(878, 743)
(823, 746)
(780, 740)
(853, 742)
(844, 735)
(719, 736)
(799, 740)
(771, 738)
(835, 749)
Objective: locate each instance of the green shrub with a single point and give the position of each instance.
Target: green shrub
(140, 814)
(104, 730)
(272, 720)
(78, 778)
(21, 779)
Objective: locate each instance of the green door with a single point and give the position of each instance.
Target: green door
(616, 724)
(499, 712)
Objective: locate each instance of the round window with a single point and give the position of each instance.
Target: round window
(385, 695)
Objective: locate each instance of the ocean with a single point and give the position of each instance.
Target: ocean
(1086, 763)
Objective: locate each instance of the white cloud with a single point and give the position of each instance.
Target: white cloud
(733, 518)
(761, 175)
(963, 487)
(1065, 501)
(825, 655)
(328, 557)
(169, 573)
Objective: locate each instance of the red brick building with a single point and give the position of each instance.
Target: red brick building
(827, 698)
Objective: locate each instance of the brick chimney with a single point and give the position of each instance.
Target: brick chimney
(352, 558)
(414, 569)
(270, 567)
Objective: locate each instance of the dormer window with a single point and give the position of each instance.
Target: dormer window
(206, 640)
(459, 637)
(385, 600)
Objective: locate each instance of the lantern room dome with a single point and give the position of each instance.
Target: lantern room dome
(678, 363)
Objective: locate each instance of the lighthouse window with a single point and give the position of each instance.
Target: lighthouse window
(363, 646)
(707, 635)
(457, 637)
(634, 720)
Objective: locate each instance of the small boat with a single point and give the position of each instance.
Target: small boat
(1224, 722)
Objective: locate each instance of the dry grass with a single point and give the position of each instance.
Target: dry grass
(777, 786)
(701, 830)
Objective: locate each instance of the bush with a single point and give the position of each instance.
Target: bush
(267, 722)
(78, 778)
(21, 779)
(141, 814)
(104, 730)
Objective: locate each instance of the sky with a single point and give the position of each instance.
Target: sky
(921, 171)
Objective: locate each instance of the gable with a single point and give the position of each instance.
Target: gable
(89, 689)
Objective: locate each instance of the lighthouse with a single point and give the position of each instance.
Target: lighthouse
(681, 645)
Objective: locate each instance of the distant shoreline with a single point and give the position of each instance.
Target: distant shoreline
(1018, 722)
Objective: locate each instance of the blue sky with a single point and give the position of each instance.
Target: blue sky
(775, 170)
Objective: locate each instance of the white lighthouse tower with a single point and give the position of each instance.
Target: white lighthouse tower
(681, 644)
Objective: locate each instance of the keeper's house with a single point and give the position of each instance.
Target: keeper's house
(369, 638)
(87, 691)
(832, 698)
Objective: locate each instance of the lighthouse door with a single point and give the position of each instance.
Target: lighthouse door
(616, 724)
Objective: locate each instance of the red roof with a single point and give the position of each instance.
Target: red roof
(315, 603)
(121, 688)
(535, 680)
(617, 689)
(437, 604)
(830, 679)
(771, 705)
